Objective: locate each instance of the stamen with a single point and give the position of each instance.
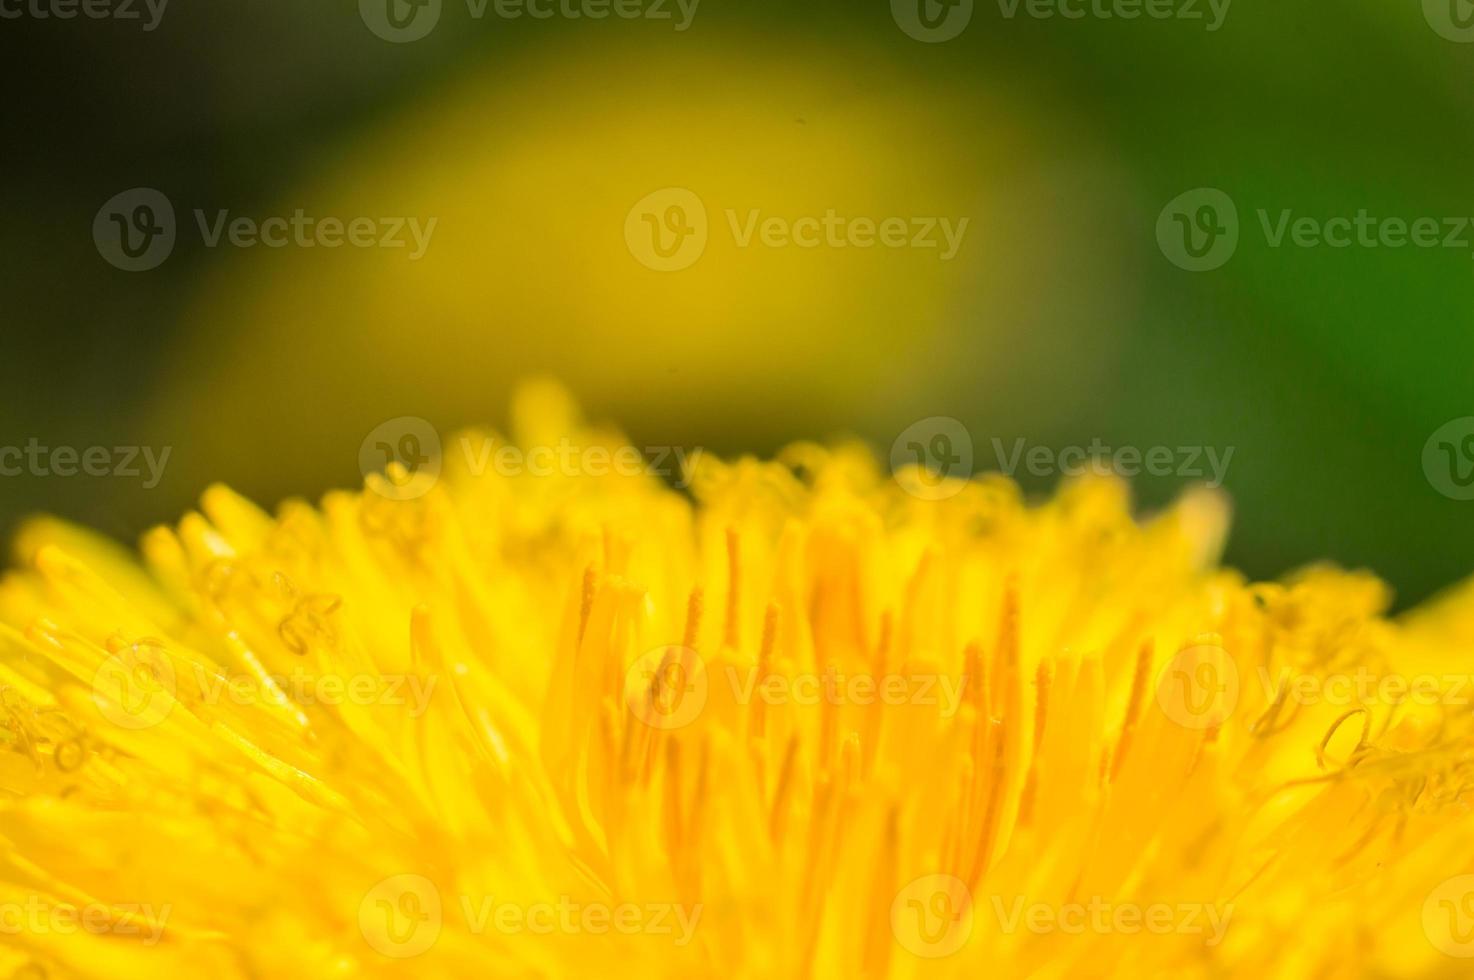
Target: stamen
(732, 635)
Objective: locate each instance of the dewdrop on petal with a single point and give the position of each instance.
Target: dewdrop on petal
(795, 721)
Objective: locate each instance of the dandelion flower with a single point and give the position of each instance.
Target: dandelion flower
(787, 719)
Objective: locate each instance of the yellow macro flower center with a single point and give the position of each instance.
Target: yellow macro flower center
(803, 720)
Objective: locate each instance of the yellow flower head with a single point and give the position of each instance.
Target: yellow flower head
(793, 718)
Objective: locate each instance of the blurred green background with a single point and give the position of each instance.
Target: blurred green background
(1059, 321)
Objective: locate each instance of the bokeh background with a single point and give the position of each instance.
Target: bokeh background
(1059, 321)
